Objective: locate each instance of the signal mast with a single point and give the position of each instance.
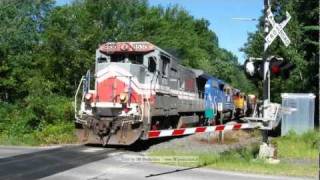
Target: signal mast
(262, 68)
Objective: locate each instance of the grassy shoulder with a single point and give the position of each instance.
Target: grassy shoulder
(298, 155)
(37, 120)
(59, 133)
(293, 146)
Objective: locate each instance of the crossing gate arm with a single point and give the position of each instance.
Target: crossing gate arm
(201, 129)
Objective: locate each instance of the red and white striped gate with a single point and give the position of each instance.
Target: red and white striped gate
(202, 129)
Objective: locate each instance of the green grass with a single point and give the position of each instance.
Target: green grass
(258, 166)
(59, 133)
(305, 146)
(37, 120)
(292, 146)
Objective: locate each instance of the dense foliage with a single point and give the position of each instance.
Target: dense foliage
(303, 30)
(45, 49)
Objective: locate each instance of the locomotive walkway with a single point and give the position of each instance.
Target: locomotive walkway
(96, 163)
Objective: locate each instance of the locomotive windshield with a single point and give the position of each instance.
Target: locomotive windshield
(127, 58)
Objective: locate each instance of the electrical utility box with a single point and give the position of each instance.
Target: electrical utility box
(301, 118)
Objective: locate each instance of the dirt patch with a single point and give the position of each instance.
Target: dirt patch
(229, 137)
(208, 142)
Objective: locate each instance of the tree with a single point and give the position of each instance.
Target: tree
(303, 30)
(20, 35)
(73, 32)
(45, 49)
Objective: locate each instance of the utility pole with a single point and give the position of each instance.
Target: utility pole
(266, 73)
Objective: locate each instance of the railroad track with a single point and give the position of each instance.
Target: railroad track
(45, 163)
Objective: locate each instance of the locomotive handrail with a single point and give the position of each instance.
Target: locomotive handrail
(75, 99)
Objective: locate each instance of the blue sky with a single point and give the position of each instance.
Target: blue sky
(232, 34)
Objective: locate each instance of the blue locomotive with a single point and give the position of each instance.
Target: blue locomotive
(218, 92)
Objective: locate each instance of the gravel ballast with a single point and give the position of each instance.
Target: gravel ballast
(208, 142)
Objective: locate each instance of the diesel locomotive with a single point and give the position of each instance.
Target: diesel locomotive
(139, 87)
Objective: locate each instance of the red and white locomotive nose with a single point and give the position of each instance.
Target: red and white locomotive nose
(114, 111)
(117, 89)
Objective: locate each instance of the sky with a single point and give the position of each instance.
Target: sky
(232, 34)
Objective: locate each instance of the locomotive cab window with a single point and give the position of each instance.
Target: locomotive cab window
(227, 91)
(135, 58)
(127, 58)
(117, 58)
(221, 87)
(152, 65)
(214, 84)
(165, 65)
(102, 60)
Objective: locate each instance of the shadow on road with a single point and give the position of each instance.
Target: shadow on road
(45, 163)
(141, 145)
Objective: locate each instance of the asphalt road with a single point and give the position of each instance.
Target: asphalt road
(96, 163)
(42, 163)
(8, 151)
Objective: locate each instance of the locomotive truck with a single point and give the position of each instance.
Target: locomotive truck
(139, 87)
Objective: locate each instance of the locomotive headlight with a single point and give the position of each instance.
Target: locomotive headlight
(123, 97)
(88, 97)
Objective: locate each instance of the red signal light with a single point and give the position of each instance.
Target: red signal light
(279, 67)
(275, 70)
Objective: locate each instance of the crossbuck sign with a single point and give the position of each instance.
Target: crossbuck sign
(277, 29)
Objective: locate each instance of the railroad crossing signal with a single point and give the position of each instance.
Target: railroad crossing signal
(254, 67)
(279, 67)
(277, 29)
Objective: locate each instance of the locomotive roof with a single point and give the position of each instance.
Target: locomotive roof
(219, 80)
(201, 73)
(145, 47)
(131, 47)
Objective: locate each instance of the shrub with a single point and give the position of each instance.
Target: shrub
(37, 120)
